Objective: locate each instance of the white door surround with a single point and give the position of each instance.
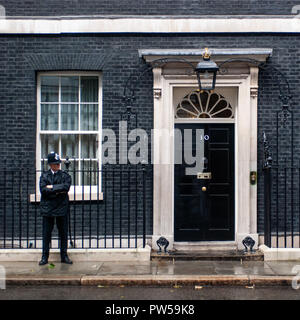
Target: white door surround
(242, 78)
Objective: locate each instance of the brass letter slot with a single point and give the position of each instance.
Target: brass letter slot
(204, 175)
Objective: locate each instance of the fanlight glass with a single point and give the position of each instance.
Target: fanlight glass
(204, 105)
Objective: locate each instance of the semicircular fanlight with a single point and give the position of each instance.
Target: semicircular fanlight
(203, 104)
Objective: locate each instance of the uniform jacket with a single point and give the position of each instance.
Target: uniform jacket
(54, 201)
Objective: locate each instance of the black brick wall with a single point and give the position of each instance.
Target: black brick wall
(117, 56)
(146, 7)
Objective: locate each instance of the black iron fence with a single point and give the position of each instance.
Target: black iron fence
(281, 190)
(282, 206)
(108, 207)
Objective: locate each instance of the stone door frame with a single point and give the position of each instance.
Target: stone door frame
(246, 83)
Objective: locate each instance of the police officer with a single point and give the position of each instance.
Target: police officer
(54, 187)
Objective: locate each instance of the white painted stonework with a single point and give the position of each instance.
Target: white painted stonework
(280, 254)
(244, 81)
(150, 24)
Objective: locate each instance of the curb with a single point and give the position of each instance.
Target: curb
(45, 280)
(271, 280)
(153, 280)
(165, 280)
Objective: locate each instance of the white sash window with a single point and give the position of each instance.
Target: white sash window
(69, 123)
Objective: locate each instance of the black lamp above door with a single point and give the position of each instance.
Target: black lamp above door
(206, 71)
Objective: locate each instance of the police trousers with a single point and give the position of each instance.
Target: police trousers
(62, 226)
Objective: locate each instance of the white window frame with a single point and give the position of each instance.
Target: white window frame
(79, 192)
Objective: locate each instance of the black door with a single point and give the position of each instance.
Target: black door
(204, 193)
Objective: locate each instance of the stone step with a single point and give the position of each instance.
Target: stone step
(213, 255)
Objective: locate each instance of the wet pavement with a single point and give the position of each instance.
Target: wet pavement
(262, 268)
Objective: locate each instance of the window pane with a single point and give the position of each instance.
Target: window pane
(89, 117)
(89, 89)
(69, 146)
(74, 173)
(49, 88)
(44, 165)
(49, 117)
(69, 117)
(89, 172)
(89, 146)
(49, 142)
(69, 89)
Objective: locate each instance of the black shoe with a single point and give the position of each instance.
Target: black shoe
(43, 261)
(66, 259)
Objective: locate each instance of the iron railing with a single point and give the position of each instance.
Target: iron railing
(281, 191)
(107, 210)
(282, 206)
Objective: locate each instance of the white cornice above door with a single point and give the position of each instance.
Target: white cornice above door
(195, 55)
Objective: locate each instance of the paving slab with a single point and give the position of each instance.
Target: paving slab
(32, 268)
(284, 267)
(80, 268)
(21, 268)
(126, 268)
(185, 268)
(246, 267)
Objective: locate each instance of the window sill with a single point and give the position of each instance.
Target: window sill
(86, 196)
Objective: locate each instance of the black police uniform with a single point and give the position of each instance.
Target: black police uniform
(55, 206)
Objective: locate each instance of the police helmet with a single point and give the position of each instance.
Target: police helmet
(53, 158)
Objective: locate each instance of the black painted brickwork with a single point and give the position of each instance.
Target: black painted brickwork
(117, 57)
(146, 7)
